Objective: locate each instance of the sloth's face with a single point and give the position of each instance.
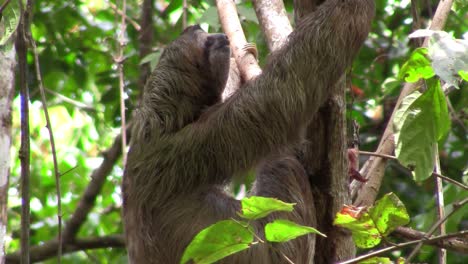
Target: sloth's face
(209, 53)
(200, 55)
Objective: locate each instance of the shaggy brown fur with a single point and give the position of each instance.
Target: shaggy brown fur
(186, 145)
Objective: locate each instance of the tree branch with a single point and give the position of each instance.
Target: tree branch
(24, 153)
(273, 21)
(246, 61)
(49, 249)
(98, 178)
(429, 241)
(146, 40)
(453, 244)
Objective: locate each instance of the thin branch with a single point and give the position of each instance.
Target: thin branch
(381, 155)
(402, 245)
(146, 39)
(376, 166)
(120, 60)
(49, 249)
(129, 19)
(436, 226)
(52, 143)
(440, 204)
(75, 103)
(24, 153)
(452, 181)
(3, 6)
(445, 178)
(452, 244)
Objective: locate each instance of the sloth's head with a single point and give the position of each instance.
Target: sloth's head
(202, 57)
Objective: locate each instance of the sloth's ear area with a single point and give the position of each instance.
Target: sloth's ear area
(191, 29)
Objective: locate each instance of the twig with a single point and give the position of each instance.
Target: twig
(434, 227)
(120, 60)
(452, 181)
(402, 245)
(445, 178)
(381, 155)
(75, 103)
(452, 244)
(3, 6)
(52, 144)
(376, 166)
(440, 204)
(129, 19)
(24, 153)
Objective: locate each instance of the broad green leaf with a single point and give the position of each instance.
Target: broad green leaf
(282, 230)
(210, 16)
(256, 207)
(464, 75)
(376, 260)
(369, 226)
(389, 213)
(365, 233)
(152, 58)
(247, 13)
(389, 85)
(449, 56)
(418, 66)
(400, 113)
(9, 20)
(418, 126)
(218, 241)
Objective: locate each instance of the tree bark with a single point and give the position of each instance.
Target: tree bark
(325, 161)
(7, 65)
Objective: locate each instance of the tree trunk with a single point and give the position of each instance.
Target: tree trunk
(7, 65)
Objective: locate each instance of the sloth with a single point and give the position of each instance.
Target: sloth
(187, 144)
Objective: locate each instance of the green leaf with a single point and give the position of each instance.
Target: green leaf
(256, 207)
(449, 56)
(365, 233)
(152, 58)
(247, 13)
(418, 66)
(218, 241)
(376, 260)
(463, 74)
(9, 21)
(369, 227)
(419, 124)
(210, 16)
(389, 213)
(390, 85)
(282, 230)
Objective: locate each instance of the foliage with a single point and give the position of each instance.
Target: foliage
(370, 225)
(76, 41)
(420, 123)
(227, 237)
